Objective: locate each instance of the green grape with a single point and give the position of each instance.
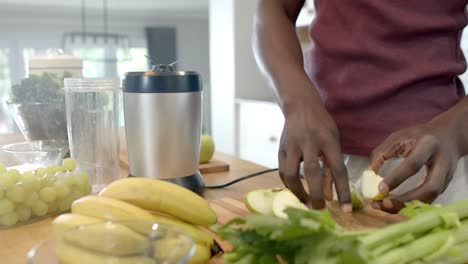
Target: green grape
(86, 189)
(53, 207)
(47, 180)
(61, 189)
(52, 169)
(65, 204)
(2, 194)
(6, 206)
(30, 187)
(40, 208)
(14, 174)
(82, 178)
(48, 194)
(9, 219)
(23, 212)
(6, 181)
(2, 168)
(41, 172)
(76, 194)
(29, 181)
(70, 180)
(28, 177)
(31, 199)
(15, 193)
(68, 164)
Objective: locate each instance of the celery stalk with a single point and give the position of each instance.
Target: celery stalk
(393, 244)
(416, 249)
(418, 224)
(460, 259)
(430, 246)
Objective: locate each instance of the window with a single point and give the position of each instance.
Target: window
(4, 70)
(6, 123)
(137, 62)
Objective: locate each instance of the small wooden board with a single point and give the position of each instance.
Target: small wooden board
(213, 166)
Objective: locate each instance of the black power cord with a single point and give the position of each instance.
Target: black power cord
(241, 179)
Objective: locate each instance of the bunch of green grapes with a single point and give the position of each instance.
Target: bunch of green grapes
(41, 192)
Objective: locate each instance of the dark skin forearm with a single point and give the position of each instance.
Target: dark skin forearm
(457, 119)
(309, 131)
(278, 51)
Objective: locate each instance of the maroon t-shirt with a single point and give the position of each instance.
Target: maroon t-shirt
(384, 65)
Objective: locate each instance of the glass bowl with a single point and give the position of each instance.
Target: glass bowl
(40, 120)
(138, 242)
(43, 152)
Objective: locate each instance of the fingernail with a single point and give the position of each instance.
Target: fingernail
(387, 203)
(383, 188)
(346, 208)
(376, 205)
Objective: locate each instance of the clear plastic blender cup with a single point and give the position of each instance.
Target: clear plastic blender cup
(92, 106)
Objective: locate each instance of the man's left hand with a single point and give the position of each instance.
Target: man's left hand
(427, 145)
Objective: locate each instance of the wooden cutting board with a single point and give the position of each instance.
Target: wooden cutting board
(228, 208)
(213, 166)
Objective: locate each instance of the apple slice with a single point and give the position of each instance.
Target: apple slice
(357, 201)
(261, 201)
(370, 185)
(283, 200)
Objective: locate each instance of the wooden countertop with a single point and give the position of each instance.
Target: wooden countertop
(15, 242)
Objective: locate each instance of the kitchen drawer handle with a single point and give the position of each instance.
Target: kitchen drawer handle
(273, 139)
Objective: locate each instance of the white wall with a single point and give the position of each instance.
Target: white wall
(222, 69)
(250, 84)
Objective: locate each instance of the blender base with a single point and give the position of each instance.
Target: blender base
(192, 182)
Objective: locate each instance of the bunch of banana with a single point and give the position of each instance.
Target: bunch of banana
(152, 201)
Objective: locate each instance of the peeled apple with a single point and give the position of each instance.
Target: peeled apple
(261, 201)
(370, 185)
(285, 199)
(357, 200)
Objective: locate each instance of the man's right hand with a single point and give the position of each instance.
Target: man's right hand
(310, 134)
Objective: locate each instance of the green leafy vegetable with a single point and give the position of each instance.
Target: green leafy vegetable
(39, 101)
(304, 237)
(435, 234)
(416, 207)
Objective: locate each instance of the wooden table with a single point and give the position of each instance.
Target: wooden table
(15, 242)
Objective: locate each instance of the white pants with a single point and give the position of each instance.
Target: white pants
(456, 190)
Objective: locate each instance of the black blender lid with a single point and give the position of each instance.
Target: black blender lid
(161, 79)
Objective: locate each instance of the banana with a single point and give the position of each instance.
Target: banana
(173, 251)
(67, 221)
(69, 254)
(201, 255)
(164, 197)
(108, 238)
(116, 210)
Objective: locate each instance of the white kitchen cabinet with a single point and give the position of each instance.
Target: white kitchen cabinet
(259, 130)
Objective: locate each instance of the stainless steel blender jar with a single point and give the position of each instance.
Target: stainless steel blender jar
(163, 110)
